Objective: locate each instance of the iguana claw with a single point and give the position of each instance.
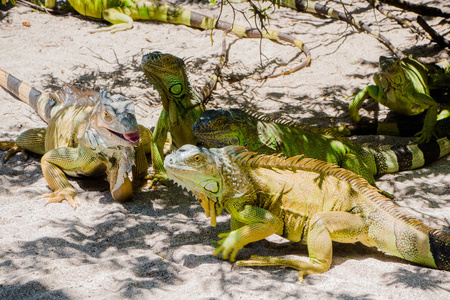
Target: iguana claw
(58, 196)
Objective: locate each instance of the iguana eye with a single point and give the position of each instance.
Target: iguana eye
(176, 89)
(197, 158)
(107, 117)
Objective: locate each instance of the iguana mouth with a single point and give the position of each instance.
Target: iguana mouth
(132, 137)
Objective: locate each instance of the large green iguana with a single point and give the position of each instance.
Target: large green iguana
(259, 133)
(403, 86)
(121, 14)
(88, 133)
(304, 200)
(182, 105)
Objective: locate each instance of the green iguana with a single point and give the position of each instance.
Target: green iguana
(182, 106)
(403, 86)
(259, 133)
(121, 14)
(88, 134)
(304, 200)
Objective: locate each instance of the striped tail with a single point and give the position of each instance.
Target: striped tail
(406, 129)
(316, 8)
(42, 103)
(409, 157)
(440, 249)
(175, 15)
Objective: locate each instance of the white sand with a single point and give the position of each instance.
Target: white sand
(158, 245)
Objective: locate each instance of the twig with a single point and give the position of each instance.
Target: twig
(439, 39)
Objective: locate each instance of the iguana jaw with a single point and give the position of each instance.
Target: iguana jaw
(194, 168)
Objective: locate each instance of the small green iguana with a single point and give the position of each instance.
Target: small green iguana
(403, 86)
(121, 14)
(304, 200)
(182, 106)
(88, 134)
(259, 133)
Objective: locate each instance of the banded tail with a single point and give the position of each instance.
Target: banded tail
(316, 8)
(409, 157)
(406, 129)
(175, 15)
(42, 103)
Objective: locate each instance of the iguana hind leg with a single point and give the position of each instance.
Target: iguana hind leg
(324, 228)
(32, 140)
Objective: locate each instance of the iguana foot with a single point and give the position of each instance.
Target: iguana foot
(13, 149)
(59, 196)
(424, 136)
(304, 268)
(161, 178)
(228, 245)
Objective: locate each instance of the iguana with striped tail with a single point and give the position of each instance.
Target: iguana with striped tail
(265, 135)
(121, 14)
(304, 200)
(182, 105)
(404, 85)
(88, 133)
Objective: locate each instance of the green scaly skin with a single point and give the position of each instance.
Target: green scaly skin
(263, 197)
(182, 106)
(88, 133)
(261, 134)
(403, 86)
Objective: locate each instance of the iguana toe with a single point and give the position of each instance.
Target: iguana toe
(59, 196)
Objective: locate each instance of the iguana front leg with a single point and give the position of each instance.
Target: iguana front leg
(77, 160)
(324, 228)
(157, 148)
(119, 20)
(259, 224)
(431, 115)
(372, 91)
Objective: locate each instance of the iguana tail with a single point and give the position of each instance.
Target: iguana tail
(409, 157)
(406, 129)
(43, 103)
(316, 8)
(175, 15)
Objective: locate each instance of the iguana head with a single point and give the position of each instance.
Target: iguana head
(167, 74)
(207, 173)
(390, 66)
(220, 128)
(113, 122)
